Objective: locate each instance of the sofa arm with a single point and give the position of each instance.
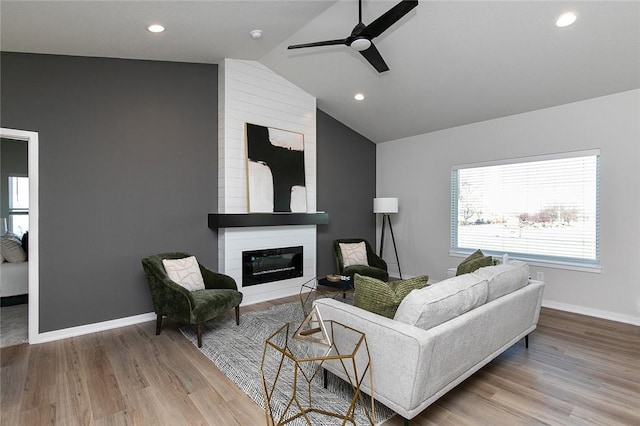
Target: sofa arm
(395, 378)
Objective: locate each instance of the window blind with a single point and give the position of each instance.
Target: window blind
(538, 208)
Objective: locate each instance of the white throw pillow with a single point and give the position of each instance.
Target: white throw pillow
(354, 254)
(184, 272)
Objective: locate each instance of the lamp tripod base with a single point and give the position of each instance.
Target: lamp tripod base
(386, 218)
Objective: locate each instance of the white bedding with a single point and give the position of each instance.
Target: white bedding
(14, 279)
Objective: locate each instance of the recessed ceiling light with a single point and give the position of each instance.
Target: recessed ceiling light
(566, 19)
(155, 28)
(358, 97)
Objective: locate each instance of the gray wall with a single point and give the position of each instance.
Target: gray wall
(346, 187)
(128, 167)
(609, 123)
(13, 162)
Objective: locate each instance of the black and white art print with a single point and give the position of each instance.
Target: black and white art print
(275, 170)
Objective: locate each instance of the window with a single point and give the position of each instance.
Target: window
(18, 205)
(538, 208)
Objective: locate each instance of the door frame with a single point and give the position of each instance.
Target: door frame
(31, 138)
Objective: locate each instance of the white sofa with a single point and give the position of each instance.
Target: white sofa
(414, 361)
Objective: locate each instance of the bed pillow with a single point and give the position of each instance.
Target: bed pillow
(11, 249)
(184, 272)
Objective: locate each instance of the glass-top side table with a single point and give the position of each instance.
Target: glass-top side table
(293, 387)
(321, 287)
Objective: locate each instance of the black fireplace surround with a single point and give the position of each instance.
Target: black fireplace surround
(263, 266)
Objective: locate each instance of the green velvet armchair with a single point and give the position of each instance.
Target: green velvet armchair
(192, 307)
(377, 267)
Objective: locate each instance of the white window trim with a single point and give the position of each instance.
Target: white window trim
(533, 260)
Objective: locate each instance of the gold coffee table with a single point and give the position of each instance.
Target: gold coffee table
(322, 287)
(293, 358)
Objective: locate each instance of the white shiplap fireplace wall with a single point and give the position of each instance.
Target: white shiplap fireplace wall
(249, 92)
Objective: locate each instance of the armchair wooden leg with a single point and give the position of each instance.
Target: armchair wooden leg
(158, 324)
(237, 315)
(199, 333)
(526, 341)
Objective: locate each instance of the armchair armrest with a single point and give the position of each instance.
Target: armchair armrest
(171, 299)
(215, 280)
(375, 260)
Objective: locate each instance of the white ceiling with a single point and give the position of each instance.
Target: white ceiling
(451, 62)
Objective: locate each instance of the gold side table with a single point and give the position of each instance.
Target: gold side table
(291, 365)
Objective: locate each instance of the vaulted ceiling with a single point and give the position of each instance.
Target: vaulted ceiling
(451, 62)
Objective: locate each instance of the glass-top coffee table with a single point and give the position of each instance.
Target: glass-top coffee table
(320, 287)
(294, 377)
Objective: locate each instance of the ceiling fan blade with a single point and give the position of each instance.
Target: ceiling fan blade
(389, 18)
(319, 43)
(375, 58)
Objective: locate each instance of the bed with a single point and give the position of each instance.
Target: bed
(14, 279)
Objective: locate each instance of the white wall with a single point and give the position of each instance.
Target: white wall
(249, 92)
(418, 171)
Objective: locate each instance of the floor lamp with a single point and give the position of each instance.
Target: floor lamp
(386, 206)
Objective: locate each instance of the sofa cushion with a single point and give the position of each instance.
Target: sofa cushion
(504, 278)
(354, 254)
(475, 260)
(440, 302)
(185, 272)
(383, 298)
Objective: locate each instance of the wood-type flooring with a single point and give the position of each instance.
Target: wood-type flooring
(578, 370)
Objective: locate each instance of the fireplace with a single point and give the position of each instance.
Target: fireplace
(263, 266)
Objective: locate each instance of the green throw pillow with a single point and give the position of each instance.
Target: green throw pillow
(383, 298)
(476, 260)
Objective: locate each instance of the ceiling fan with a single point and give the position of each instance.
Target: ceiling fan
(362, 35)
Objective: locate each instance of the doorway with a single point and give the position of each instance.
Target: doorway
(31, 138)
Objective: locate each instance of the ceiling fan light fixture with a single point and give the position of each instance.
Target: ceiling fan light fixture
(566, 19)
(361, 44)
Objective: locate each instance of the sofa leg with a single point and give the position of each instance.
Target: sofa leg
(199, 333)
(406, 422)
(237, 315)
(526, 341)
(324, 377)
(158, 324)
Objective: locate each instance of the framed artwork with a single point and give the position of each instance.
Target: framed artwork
(275, 170)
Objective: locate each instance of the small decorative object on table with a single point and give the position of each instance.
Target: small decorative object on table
(334, 278)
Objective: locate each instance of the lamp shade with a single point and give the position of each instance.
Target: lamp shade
(385, 205)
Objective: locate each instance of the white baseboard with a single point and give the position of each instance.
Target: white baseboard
(51, 336)
(65, 333)
(597, 313)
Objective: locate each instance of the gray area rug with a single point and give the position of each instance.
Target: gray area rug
(14, 325)
(237, 351)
